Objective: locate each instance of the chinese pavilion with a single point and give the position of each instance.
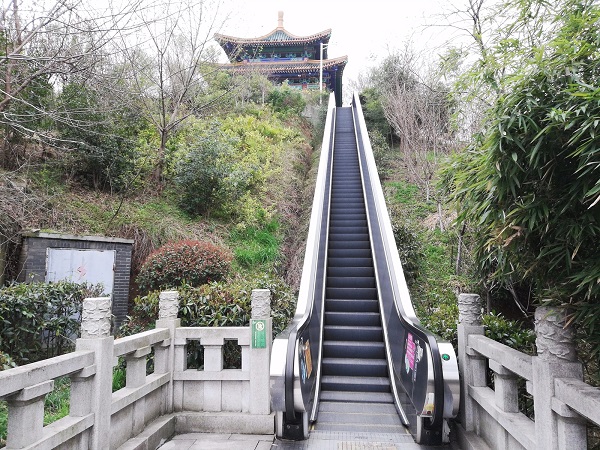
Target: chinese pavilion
(282, 56)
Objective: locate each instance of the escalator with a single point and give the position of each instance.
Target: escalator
(354, 366)
(355, 357)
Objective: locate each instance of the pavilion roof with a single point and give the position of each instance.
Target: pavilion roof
(310, 65)
(278, 36)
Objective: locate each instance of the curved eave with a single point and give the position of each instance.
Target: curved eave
(273, 67)
(279, 36)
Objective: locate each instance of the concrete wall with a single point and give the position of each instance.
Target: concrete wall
(33, 261)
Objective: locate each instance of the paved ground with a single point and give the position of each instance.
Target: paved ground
(318, 440)
(210, 441)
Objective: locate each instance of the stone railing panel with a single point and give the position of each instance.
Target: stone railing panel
(562, 401)
(99, 419)
(580, 397)
(511, 359)
(19, 378)
(130, 344)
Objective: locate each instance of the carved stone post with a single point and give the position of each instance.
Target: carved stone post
(95, 335)
(556, 426)
(472, 366)
(164, 354)
(260, 351)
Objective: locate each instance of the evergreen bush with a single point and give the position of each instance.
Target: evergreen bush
(184, 262)
(214, 304)
(39, 320)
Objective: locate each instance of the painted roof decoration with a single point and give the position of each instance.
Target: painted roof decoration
(287, 66)
(279, 35)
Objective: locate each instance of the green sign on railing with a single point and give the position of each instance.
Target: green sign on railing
(259, 333)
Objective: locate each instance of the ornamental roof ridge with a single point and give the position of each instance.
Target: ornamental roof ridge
(311, 64)
(279, 34)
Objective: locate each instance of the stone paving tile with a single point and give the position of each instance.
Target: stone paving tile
(224, 445)
(203, 436)
(179, 444)
(251, 437)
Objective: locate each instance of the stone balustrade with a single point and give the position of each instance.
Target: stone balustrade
(151, 406)
(563, 403)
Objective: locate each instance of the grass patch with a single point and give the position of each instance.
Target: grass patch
(56, 404)
(3, 422)
(405, 193)
(408, 198)
(256, 246)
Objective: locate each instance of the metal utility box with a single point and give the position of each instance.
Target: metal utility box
(92, 259)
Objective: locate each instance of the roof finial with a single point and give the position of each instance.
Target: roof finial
(280, 19)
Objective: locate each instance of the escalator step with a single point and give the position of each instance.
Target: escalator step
(351, 293)
(351, 282)
(345, 349)
(336, 230)
(349, 237)
(360, 417)
(352, 407)
(349, 253)
(352, 305)
(357, 397)
(359, 384)
(355, 244)
(355, 367)
(351, 271)
(350, 333)
(368, 319)
(348, 223)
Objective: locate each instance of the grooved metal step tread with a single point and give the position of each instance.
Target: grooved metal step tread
(352, 318)
(352, 293)
(359, 428)
(351, 282)
(351, 305)
(356, 382)
(358, 417)
(365, 438)
(357, 408)
(351, 271)
(357, 397)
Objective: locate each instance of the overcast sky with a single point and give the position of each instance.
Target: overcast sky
(364, 30)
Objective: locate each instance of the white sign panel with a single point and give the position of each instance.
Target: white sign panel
(81, 266)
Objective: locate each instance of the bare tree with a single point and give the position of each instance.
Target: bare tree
(419, 111)
(43, 46)
(168, 64)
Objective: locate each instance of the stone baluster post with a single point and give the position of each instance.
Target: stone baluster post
(556, 426)
(94, 387)
(26, 415)
(472, 366)
(260, 351)
(164, 353)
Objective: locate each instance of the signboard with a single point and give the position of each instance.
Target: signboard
(259, 333)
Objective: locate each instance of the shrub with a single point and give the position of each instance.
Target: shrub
(509, 332)
(286, 100)
(39, 320)
(203, 176)
(215, 304)
(184, 262)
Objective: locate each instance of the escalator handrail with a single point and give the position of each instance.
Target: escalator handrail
(394, 270)
(306, 299)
